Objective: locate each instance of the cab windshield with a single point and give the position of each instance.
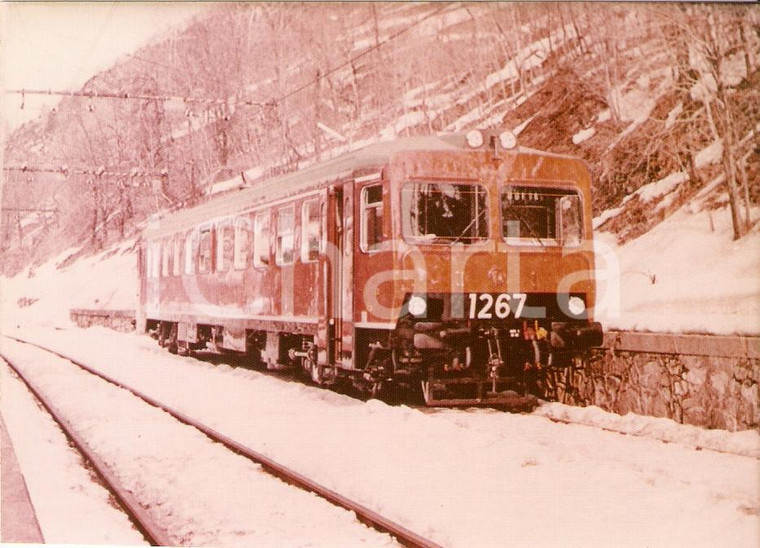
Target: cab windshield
(444, 213)
(532, 215)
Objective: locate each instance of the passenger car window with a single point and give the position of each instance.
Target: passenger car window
(310, 231)
(242, 242)
(224, 246)
(371, 217)
(261, 240)
(177, 259)
(150, 260)
(533, 215)
(285, 235)
(189, 252)
(444, 213)
(155, 268)
(166, 254)
(204, 251)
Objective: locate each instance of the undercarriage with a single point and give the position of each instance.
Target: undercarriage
(463, 362)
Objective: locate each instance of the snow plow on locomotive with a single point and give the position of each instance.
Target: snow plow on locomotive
(460, 266)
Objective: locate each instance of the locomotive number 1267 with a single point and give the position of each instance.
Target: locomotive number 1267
(487, 306)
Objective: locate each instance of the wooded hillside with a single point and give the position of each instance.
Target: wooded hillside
(637, 90)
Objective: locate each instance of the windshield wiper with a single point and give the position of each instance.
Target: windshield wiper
(530, 229)
(467, 228)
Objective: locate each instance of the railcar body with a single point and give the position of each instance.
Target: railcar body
(451, 264)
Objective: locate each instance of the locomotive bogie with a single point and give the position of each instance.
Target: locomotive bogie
(421, 263)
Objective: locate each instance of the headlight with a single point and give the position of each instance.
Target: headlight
(474, 138)
(576, 306)
(508, 140)
(417, 306)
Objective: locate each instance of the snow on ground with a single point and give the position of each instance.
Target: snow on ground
(745, 442)
(70, 507)
(653, 190)
(604, 116)
(635, 102)
(199, 491)
(107, 281)
(605, 216)
(673, 115)
(686, 275)
(410, 119)
(583, 135)
(479, 478)
(711, 154)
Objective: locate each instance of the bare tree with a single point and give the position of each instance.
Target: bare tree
(704, 41)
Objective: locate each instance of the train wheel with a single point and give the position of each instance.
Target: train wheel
(162, 332)
(172, 340)
(254, 361)
(311, 367)
(183, 348)
(389, 392)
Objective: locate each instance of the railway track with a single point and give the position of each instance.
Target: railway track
(144, 522)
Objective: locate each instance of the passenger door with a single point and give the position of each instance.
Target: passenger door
(335, 261)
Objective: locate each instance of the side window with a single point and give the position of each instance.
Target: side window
(224, 246)
(166, 253)
(571, 221)
(310, 225)
(149, 261)
(261, 243)
(190, 252)
(242, 243)
(204, 250)
(228, 247)
(285, 236)
(372, 217)
(177, 262)
(156, 259)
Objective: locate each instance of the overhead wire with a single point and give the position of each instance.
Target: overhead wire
(84, 170)
(139, 96)
(270, 102)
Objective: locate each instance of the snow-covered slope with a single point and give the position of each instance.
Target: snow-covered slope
(686, 275)
(44, 295)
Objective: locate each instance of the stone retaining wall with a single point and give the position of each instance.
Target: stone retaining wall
(120, 320)
(703, 380)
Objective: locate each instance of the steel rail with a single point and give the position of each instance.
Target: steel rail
(363, 514)
(153, 533)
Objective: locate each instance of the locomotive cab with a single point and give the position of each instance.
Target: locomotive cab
(493, 273)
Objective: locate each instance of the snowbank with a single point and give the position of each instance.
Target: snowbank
(44, 295)
(746, 442)
(686, 275)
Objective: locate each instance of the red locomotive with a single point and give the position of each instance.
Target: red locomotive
(450, 263)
